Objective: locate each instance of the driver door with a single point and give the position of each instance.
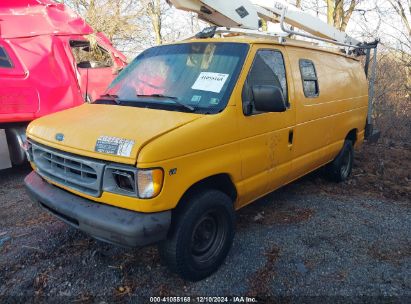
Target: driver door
(267, 138)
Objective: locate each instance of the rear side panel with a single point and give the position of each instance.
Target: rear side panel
(41, 81)
(323, 122)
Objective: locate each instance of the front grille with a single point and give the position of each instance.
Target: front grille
(78, 173)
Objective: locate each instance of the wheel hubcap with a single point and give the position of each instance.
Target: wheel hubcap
(204, 235)
(208, 236)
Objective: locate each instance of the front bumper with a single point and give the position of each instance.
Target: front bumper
(103, 222)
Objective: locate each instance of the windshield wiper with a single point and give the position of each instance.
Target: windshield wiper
(173, 98)
(111, 97)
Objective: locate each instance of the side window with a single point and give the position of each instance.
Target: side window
(268, 69)
(309, 78)
(90, 55)
(5, 61)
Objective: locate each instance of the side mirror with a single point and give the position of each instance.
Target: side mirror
(268, 98)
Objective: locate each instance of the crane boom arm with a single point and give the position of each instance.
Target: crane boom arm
(245, 14)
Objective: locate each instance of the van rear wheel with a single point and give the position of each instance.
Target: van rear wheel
(340, 168)
(201, 237)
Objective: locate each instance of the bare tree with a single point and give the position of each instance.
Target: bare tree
(134, 25)
(154, 9)
(392, 103)
(117, 19)
(339, 12)
(406, 42)
(400, 9)
(399, 38)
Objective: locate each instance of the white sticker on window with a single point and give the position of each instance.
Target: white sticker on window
(114, 145)
(210, 82)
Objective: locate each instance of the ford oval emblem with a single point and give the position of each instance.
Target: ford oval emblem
(59, 136)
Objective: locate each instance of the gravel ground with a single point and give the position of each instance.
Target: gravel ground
(312, 240)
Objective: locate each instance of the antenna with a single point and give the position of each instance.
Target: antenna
(86, 98)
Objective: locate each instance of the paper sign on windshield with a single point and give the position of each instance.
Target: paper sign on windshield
(210, 82)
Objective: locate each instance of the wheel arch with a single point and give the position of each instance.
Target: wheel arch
(352, 135)
(222, 182)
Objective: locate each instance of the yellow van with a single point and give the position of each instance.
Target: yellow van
(192, 131)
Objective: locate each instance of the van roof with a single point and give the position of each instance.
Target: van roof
(285, 41)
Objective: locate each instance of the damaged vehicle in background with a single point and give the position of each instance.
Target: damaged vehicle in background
(50, 60)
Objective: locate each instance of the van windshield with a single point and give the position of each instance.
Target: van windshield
(192, 77)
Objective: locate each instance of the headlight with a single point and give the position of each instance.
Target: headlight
(125, 180)
(120, 179)
(149, 182)
(142, 183)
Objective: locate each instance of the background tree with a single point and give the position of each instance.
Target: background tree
(403, 37)
(155, 9)
(401, 11)
(134, 25)
(339, 12)
(392, 103)
(117, 19)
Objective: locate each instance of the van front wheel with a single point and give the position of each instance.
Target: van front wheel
(340, 168)
(201, 237)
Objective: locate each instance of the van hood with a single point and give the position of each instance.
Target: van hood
(108, 132)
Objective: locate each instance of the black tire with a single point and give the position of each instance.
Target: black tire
(201, 236)
(340, 168)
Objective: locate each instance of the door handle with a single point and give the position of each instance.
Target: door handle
(290, 137)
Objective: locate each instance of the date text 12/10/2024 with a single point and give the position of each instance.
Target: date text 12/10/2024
(234, 299)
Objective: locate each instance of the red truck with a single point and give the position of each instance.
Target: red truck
(50, 60)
